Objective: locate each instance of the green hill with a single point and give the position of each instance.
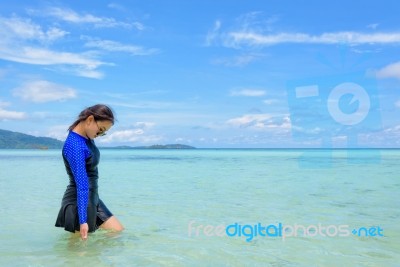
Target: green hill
(14, 140)
(170, 146)
(10, 140)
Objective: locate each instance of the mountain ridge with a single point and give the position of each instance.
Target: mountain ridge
(168, 146)
(16, 140)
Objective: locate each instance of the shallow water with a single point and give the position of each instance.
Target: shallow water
(172, 201)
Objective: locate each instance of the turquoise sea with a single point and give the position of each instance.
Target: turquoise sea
(177, 206)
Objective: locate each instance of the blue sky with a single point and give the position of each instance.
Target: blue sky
(205, 73)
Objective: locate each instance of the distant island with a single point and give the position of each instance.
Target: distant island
(15, 140)
(170, 146)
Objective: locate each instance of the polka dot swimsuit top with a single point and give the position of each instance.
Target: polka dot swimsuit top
(81, 157)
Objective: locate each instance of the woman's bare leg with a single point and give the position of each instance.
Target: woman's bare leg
(112, 224)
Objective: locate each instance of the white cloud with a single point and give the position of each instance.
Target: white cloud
(144, 125)
(389, 71)
(248, 92)
(44, 91)
(130, 136)
(85, 72)
(4, 104)
(22, 42)
(8, 114)
(71, 16)
(308, 131)
(24, 29)
(113, 46)
(149, 105)
(395, 130)
(80, 65)
(255, 21)
(139, 133)
(249, 120)
(41, 56)
(251, 30)
(373, 26)
(365, 51)
(213, 34)
(261, 121)
(116, 6)
(251, 21)
(237, 61)
(397, 104)
(249, 38)
(11, 115)
(58, 132)
(270, 101)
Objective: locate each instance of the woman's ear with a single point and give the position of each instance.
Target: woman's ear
(90, 119)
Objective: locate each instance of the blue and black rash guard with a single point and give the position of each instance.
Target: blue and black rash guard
(76, 152)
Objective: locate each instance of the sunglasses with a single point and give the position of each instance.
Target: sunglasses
(100, 132)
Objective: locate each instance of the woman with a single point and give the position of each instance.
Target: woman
(81, 208)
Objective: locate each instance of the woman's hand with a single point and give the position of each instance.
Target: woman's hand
(84, 228)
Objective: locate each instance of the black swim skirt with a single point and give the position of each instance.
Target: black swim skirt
(97, 212)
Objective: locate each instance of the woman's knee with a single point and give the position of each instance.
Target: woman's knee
(112, 224)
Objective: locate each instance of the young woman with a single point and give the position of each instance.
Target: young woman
(81, 208)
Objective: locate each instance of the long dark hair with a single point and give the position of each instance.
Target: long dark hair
(100, 112)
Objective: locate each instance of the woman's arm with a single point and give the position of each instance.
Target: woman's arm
(76, 157)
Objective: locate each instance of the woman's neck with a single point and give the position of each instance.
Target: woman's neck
(80, 130)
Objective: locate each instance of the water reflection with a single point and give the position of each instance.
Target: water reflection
(97, 250)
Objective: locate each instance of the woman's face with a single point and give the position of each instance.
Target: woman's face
(95, 128)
